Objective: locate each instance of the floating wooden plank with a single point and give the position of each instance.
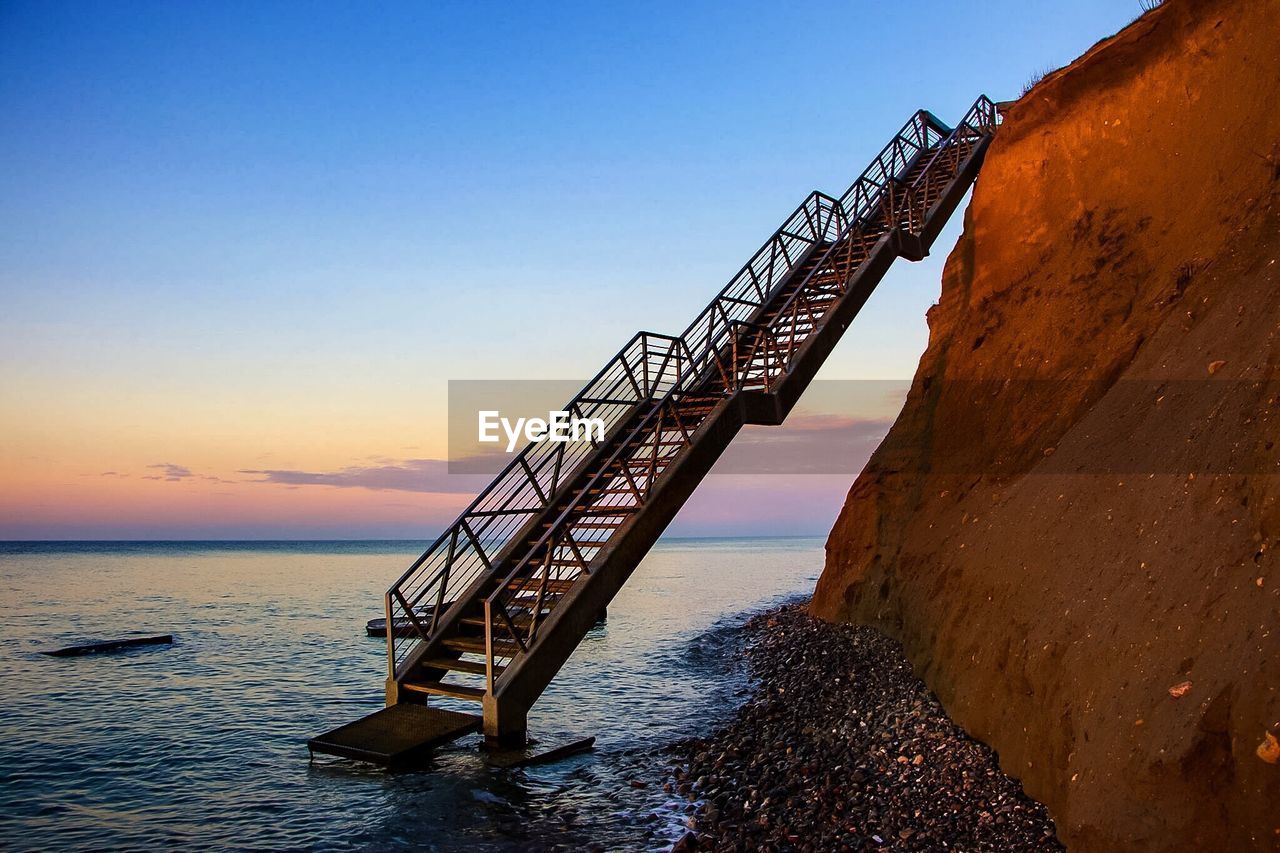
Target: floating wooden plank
(404, 627)
(520, 758)
(110, 646)
(378, 628)
(395, 736)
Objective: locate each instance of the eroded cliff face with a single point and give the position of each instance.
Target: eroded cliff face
(1073, 524)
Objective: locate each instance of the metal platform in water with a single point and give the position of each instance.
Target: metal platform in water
(396, 735)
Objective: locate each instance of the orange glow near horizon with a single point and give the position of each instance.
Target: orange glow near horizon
(128, 507)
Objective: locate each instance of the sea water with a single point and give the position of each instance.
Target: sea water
(203, 743)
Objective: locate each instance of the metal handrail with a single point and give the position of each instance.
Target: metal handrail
(763, 272)
(983, 106)
(720, 329)
(516, 492)
(981, 118)
(895, 159)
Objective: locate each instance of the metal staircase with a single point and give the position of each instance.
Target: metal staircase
(498, 603)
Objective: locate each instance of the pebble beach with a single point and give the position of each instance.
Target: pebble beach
(841, 747)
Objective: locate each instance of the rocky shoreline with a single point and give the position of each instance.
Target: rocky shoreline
(841, 747)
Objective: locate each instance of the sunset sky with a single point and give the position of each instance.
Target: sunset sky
(244, 247)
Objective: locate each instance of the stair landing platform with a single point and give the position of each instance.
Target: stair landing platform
(396, 735)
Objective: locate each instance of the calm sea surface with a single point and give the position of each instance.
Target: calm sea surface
(202, 744)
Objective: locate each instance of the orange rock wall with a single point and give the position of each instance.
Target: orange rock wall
(1068, 519)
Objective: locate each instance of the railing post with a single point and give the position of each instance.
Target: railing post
(488, 646)
(391, 637)
(392, 687)
(733, 370)
(644, 361)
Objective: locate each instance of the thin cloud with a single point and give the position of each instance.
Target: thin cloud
(807, 444)
(170, 472)
(405, 475)
(832, 423)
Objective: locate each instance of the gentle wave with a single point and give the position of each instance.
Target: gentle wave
(203, 743)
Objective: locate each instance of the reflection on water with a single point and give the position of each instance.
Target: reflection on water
(203, 743)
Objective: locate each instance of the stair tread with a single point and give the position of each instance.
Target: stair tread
(587, 525)
(461, 664)
(556, 585)
(583, 544)
(520, 621)
(439, 688)
(505, 648)
(598, 510)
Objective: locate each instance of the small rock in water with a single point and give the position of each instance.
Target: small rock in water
(687, 844)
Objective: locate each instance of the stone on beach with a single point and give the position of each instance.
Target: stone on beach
(841, 745)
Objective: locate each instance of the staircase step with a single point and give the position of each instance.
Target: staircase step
(586, 525)
(475, 645)
(637, 474)
(524, 602)
(554, 585)
(462, 664)
(583, 543)
(597, 511)
(524, 606)
(440, 688)
(633, 465)
(566, 564)
(520, 621)
(813, 297)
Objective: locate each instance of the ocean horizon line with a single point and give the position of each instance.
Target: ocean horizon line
(360, 540)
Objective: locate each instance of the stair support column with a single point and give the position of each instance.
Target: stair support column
(506, 723)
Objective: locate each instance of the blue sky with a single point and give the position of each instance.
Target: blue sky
(226, 226)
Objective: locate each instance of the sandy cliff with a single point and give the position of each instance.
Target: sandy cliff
(1072, 526)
